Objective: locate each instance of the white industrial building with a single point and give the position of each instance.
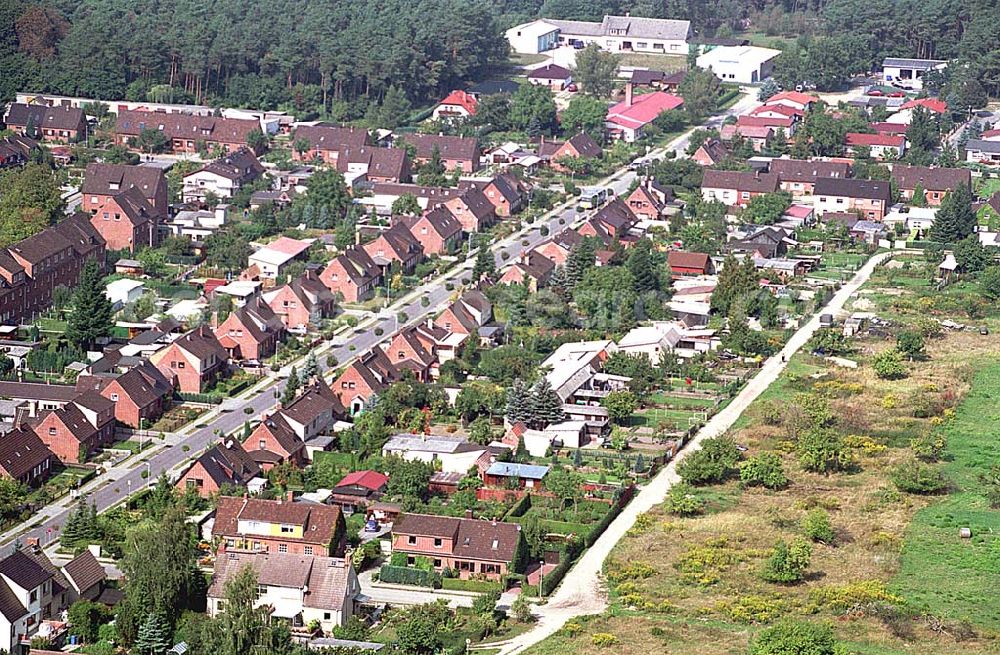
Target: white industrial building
(909, 73)
(614, 33)
(743, 64)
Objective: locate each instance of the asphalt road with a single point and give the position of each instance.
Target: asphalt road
(581, 592)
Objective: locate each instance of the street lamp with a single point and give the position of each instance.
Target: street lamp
(128, 494)
(541, 574)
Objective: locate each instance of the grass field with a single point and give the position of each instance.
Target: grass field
(948, 575)
(656, 62)
(988, 187)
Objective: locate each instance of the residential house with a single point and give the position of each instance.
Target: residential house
(381, 196)
(127, 222)
(579, 146)
(358, 489)
(456, 152)
(457, 105)
(185, 133)
(759, 136)
(274, 442)
(905, 113)
(102, 182)
(798, 176)
(408, 351)
(224, 177)
(553, 76)
(279, 526)
(883, 127)
(437, 230)
(468, 546)
(326, 142)
(303, 302)
(777, 111)
(557, 248)
(85, 578)
(313, 412)
(532, 269)
(352, 274)
(656, 80)
(505, 192)
(32, 268)
(30, 591)
(395, 245)
(301, 589)
(575, 371)
(879, 145)
(49, 124)
(686, 264)
(24, 458)
(648, 201)
(710, 153)
(273, 258)
(736, 188)
(492, 88)
(981, 151)
(784, 124)
(652, 341)
(611, 222)
(511, 475)
(196, 359)
(935, 182)
(15, 150)
(794, 99)
(79, 428)
(869, 198)
(252, 332)
(226, 464)
(367, 375)
(628, 118)
(472, 209)
(449, 454)
(139, 391)
(467, 315)
(389, 165)
(765, 242)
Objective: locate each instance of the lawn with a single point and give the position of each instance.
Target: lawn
(525, 59)
(988, 187)
(656, 62)
(948, 575)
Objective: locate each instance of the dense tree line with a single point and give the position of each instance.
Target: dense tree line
(291, 53)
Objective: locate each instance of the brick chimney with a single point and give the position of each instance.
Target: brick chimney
(468, 513)
(628, 94)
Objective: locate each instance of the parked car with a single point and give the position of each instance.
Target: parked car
(571, 87)
(579, 45)
(984, 330)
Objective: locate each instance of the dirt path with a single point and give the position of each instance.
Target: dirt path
(582, 592)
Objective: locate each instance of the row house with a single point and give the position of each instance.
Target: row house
(352, 275)
(935, 182)
(375, 164)
(279, 526)
(437, 230)
(468, 546)
(736, 188)
(579, 146)
(226, 464)
(252, 332)
(880, 146)
(127, 222)
(798, 176)
(326, 142)
(868, 198)
(31, 268)
(185, 133)
(395, 246)
(15, 150)
(505, 192)
(24, 458)
(303, 302)
(366, 376)
(223, 177)
(140, 392)
(456, 152)
(382, 195)
(102, 182)
(195, 359)
(78, 429)
(49, 124)
(531, 269)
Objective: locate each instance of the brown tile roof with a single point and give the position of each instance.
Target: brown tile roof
(37, 391)
(442, 221)
(277, 427)
(800, 170)
(24, 570)
(316, 400)
(359, 265)
(185, 126)
(616, 214)
(332, 137)
(21, 451)
(715, 149)
(931, 178)
(682, 259)
(868, 189)
(473, 539)
(382, 162)
(328, 582)
(477, 203)
(536, 265)
(134, 204)
(740, 180)
(228, 463)
(56, 118)
(550, 72)
(319, 522)
(241, 166)
(110, 179)
(458, 148)
(585, 145)
(201, 343)
(84, 571)
(400, 241)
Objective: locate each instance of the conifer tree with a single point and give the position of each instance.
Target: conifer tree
(153, 637)
(641, 266)
(311, 368)
(955, 220)
(577, 458)
(291, 387)
(518, 402)
(92, 311)
(485, 264)
(546, 406)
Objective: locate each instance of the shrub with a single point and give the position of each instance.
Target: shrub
(683, 500)
(794, 638)
(754, 609)
(841, 598)
(816, 526)
(603, 639)
(914, 477)
(929, 446)
(714, 462)
(633, 571)
(910, 343)
(704, 565)
(379, 331)
(788, 562)
(764, 470)
(888, 365)
(573, 628)
(822, 451)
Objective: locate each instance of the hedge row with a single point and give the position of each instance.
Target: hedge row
(206, 398)
(519, 508)
(477, 586)
(404, 575)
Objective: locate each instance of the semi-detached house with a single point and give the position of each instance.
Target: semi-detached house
(327, 142)
(223, 177)
(456, 152)
(195, 359)
(467, 546)
(736, 188)
(279, 526)
(868, 198)
(185, 133)
(935, 182)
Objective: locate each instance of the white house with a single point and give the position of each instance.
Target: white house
(124, 291)
(197, 224)
(982, 152)
(739, 64)
(223, 177)
(300, 588)
(571, 434)
(909, 73)
(534, 37)
(650, 340)
(272, 259)
(628, 34)
(455, 454)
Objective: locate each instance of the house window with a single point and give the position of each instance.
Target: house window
(401, 355)
(411, 540)
(438, 542)
(114, 397)
(327, 616)
(107, 216)
(180, 364)
(641, 44)
(262, 445)
(411, 560)
(287, 529)
(261, 591)
(282, 548)
(34, 596)
(308, 550)
(52, 432)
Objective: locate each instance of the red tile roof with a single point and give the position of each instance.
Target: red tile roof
(368, 479)
(460, 99)
(795, 96)
(644, 109)
(764, 121)
(858, 139)
(889, 128)
(932, 104)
